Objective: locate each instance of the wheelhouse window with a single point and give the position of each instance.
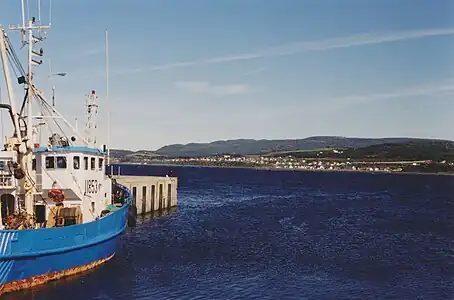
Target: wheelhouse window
(50, 162)
(34, 164)
(85, 163)
(76, 162)
(100, 163)
(5, 166)
(61, 162)
(92, 163)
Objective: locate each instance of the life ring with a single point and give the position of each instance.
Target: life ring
(57, 195)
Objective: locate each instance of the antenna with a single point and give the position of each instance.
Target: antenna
(107, 99)
(92, 111)
(53, 86)
(39, 12)
(23, 22)
(53, 95)
(1, 117)
(50, 12)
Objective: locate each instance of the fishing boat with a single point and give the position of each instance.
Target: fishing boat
(60, 213)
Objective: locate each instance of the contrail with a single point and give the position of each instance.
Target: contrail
(306, 46)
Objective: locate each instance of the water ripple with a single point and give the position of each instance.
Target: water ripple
(246, 234)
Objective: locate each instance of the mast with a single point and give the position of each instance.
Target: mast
(1, 118)
(30, 79)
(27, 29)
(9, 86)
(107, 100)
(29, 203)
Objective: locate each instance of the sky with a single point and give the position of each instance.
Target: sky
(201, 70)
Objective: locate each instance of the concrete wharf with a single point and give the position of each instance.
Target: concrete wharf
(151, 193)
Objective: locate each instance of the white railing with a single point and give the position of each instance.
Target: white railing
(6, 181)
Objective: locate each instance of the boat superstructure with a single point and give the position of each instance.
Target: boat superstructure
(58, 214)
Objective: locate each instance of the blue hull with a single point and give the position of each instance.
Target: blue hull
(32, 257)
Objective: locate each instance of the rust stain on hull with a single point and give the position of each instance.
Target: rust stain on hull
(18, 285)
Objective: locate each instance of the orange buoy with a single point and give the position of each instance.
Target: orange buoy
(56, 194)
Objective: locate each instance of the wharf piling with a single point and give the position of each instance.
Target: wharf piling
(150, 193)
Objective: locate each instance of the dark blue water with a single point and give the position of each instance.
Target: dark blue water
(248, 234)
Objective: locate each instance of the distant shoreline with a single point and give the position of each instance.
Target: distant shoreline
(286, 169)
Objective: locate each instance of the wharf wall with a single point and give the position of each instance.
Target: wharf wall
(151, 193)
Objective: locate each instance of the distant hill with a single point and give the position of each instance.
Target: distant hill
(132, 156)
(414, 150)
(119, 152)
(435, 150)
(251, 147)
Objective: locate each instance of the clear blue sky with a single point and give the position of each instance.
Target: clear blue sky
(203, 70)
